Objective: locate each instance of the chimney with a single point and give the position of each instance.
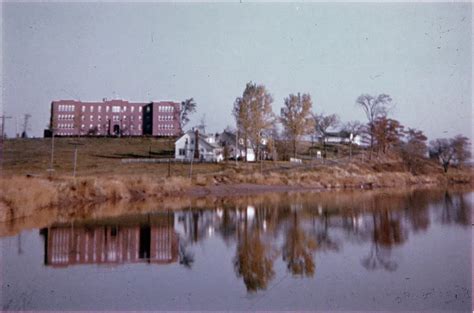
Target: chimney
(196, 144)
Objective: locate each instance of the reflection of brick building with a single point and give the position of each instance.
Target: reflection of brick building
(153, 241)
(114, 117)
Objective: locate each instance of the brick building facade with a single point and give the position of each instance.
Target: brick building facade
(114, 118)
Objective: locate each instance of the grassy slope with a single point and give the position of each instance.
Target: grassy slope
(97, 156)
(102, 176)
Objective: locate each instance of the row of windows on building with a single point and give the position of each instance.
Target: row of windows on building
(66, 108)
(65, 116)
(115, 108)
(63, 126)
(115, 118)
(166, 108)
(91, 126)
(165, 118)
(166, 126)
(165, 134)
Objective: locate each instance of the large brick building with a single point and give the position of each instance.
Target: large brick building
(114, 118)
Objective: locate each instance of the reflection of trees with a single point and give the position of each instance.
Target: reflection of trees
(298, 250)
(186, 257)
(455, 210)
(387, 232)
(417, 211)
(253, 262)
(324, 241)
(227, 227)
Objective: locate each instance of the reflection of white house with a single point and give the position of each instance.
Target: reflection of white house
(208, 149)
(343, 137)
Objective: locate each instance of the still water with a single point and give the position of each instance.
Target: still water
(369, 251)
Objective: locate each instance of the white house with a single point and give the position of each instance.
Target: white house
(208, 149)
(228, 139)
(343, 137)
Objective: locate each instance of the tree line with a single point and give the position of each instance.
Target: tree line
(382, 134)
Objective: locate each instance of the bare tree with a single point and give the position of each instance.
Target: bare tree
(461, 145)
(374, 107)
(188, 106)
(323, 123)
(450, 151)
(296, 118)
(254, 116)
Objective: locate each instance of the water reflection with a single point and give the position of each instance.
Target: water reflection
(292, 229)
(139, 239)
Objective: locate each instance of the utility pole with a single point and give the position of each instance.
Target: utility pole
(51, 164)
(16, 127)
(237, 152)
(26, 118)
(4, 117)
(75, 156)
(351, 138)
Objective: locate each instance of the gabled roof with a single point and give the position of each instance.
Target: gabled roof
(202, 140)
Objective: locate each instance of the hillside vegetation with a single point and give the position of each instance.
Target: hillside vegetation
(26, 186)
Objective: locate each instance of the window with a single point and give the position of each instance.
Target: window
(100, 108)
(91, 118)
(124, 109)
(139, 109)
(82, 126)
(90, 126)
(107, 109)
(91, 108)
(132, 109)
(181, 151)
(82, 117)
(100, 118)
(140, 117)
(83, 108)
(125, 118)
(116, 109)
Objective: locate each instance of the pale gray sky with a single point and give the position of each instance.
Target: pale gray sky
(419, 53)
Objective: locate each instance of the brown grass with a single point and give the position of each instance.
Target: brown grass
(102, 177)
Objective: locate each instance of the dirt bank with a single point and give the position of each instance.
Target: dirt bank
(22, 196)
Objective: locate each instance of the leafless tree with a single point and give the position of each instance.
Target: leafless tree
(374, 107)
(324, 123)
(450, 151)
(296, 118)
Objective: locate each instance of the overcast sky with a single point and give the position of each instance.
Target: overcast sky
(420, 54)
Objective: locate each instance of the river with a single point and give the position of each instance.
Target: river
(385, 250)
